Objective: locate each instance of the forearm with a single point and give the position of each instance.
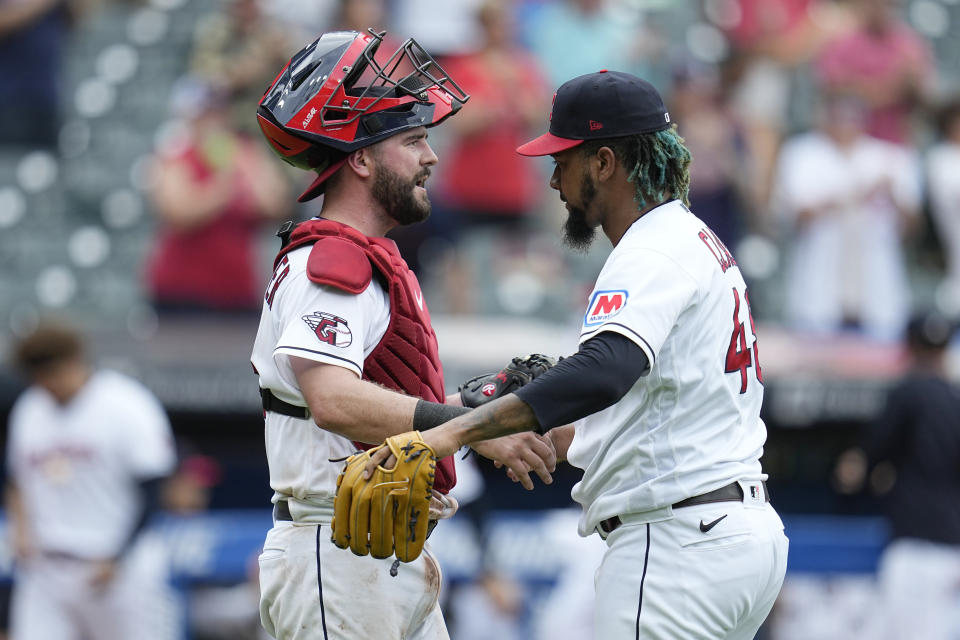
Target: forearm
(16, 516)
(597, 376)
(182, 203)
(367, 413)
(150, 504)
(501, 417)
(267, 185)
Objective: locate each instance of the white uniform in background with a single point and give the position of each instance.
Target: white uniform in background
(691, 425)
(305, 461)
(77, 468)
(841, 260)
(944, 183)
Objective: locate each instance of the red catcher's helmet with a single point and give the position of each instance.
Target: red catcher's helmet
(336, 96)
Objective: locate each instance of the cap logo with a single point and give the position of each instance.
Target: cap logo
(666, 116)
(595, 126)
(553, 102)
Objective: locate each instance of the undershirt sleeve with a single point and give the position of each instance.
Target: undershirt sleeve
(604, 369)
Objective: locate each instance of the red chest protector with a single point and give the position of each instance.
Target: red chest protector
(407, 358)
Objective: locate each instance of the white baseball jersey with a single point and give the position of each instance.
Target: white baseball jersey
(692, 423)
(316, 322)
(77, 465)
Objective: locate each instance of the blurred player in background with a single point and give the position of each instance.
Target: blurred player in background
(666, 387)
(87, 454)
(913, 453)
(345, 351)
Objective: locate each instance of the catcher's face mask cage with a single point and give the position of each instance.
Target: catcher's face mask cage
(337, 95)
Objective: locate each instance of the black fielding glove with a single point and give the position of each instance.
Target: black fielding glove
(521, 370)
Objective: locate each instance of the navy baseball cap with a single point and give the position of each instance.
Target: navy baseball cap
(605, 104)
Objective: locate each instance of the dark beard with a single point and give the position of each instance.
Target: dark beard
(397, 198)
(577, 234)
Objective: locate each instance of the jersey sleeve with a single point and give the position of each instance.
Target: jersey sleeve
(15, 427)
(149, 436)
(325, 324)
(640, 294)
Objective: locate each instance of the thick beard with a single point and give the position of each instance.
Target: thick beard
(398, 198)
(577, 233)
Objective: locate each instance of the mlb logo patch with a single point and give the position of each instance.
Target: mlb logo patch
(604, 305)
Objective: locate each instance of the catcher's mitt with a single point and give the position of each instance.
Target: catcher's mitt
(521, 370)
(389, 512)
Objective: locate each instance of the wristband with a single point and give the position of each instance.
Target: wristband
(428, 415)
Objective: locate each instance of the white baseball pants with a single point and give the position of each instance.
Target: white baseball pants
(312, 590)
(52, 599)
(669, 579)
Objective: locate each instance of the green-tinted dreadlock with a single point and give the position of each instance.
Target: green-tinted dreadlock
(658, 164)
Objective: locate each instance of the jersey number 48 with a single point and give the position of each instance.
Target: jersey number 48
(740, 357)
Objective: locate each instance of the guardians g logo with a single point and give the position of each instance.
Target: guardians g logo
(329, 328)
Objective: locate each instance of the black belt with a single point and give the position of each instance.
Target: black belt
(733, 492)
(67, 556)
(273, 403)
(281, 511)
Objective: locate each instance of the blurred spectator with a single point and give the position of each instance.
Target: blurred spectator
(847, 199)
(943, 181)
(485, 180)
(301, 20)
(87, 453)
(491, 608)
(360, 15)
(771, 43)
(33, 35)
(716, 144)
(913, 451)
(212, 189)
(187, 491)
(883, 62)
(574, 37)
(442, 28)
(238, 51)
